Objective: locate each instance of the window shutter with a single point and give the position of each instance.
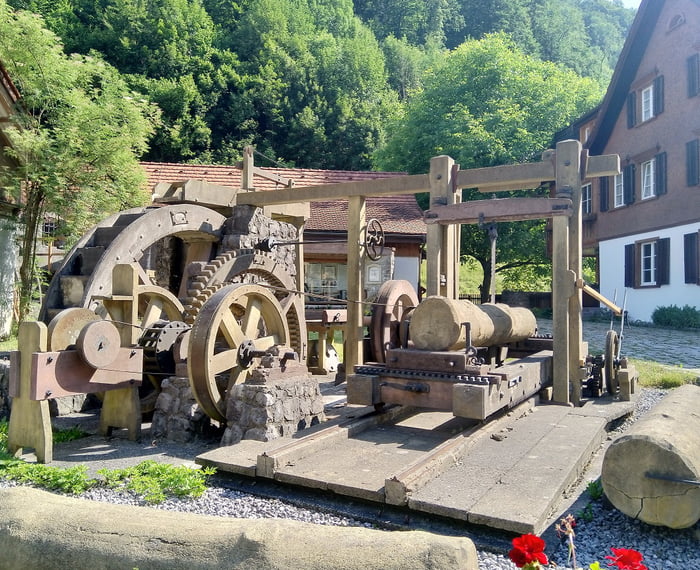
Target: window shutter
(604, 193)
(631, 110)
(691, 163)
(628, 184)
(693, 63)
(660, 173)
(663, 256)
(658, 95)
(630, 251)
(690, 258)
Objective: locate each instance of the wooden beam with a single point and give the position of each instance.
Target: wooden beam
(409, 184)
(581, 284)
(506, 177)
(603, 165)
(499, 210)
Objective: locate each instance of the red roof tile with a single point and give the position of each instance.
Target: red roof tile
(398, 214)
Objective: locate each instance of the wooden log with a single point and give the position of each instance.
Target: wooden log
(437, 324)
(648, 472)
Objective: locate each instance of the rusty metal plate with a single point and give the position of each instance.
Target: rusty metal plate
(64, 373)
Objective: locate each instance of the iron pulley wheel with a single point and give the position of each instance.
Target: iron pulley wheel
(389, 322)
(612, 348)
(374, 239)
(233, 328)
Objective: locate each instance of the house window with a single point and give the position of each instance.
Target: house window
(647, 103)
(648, 179)
(586, 199)
(691, 258)
(647, 263)
(619, 199)
(650, 100)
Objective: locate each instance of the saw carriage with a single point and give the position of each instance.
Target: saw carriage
(207, 284)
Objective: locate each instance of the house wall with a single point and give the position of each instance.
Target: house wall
(8, 268)
(673, 213)
(640, 303)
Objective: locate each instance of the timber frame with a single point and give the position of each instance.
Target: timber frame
(565, 167)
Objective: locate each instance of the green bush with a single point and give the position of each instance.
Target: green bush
(686, 317)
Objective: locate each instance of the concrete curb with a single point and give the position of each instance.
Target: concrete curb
(42, 530)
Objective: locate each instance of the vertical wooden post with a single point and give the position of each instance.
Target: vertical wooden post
(354, 332)
(122, 407)
(567, 173)
(248, 164)
(30, 421)
(442, 241)
(574, 177)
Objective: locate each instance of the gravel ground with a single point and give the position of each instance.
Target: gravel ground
(602, 526)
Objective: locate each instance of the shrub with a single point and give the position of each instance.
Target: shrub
(676, 317)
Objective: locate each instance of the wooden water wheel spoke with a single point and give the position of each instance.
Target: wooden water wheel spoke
(223, 361)
(231, 329)
(251, 320)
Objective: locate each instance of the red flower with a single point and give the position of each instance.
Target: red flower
(626, 559)
(528, 548)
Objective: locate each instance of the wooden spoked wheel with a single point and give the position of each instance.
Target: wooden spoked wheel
(388, 325)
(612, 347)
(155, 304)
(233, 329)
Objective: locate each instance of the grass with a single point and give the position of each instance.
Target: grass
(655, 375)
(153, 482)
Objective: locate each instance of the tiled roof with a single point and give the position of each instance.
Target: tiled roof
(398, 214)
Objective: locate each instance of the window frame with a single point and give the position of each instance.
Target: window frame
(647, 263)
(648, 179)
(587, 198)
(619, 190)
(647, 103)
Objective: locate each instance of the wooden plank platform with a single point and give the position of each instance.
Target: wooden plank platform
(508, 474)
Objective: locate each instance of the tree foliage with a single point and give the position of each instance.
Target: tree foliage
(80, 134)
(485, 104)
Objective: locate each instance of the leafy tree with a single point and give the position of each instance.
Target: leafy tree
(485, 104)
(417, 21)
(313, 85)
(81, 133)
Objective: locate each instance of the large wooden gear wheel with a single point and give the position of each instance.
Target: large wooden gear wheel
(233, 327)
(395, 301)
(247, 266)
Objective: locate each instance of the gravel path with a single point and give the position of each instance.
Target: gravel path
(600, 528)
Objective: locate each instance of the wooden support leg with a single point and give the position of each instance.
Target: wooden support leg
(121, 408)
(30, 422)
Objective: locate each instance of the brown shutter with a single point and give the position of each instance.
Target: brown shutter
(658, 95)
(690, 258)
(691, 163)
(693, 63)
(630, 258)
(628, 184)
(660, 173)
(631, 110)
(604, 193)
(663, 261)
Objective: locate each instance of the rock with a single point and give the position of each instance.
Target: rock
(43, 530)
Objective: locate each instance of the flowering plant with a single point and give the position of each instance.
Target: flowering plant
(528, 551)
